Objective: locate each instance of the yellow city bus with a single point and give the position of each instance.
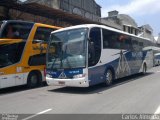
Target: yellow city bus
(22, 52)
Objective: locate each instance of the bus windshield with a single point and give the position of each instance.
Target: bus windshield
(16, 30)
(67, 49)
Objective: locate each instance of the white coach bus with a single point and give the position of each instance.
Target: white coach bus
(86, 55)
(157, 59)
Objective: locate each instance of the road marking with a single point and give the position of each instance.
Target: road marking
(40, 113)
(158, 71)
(157, 111)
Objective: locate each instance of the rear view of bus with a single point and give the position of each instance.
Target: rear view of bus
(86, 55)
(22, 52)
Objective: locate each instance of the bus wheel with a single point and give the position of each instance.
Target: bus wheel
(108, 77)
(33, 80)
(144, 68)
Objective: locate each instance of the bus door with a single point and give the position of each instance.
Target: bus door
(95, 47)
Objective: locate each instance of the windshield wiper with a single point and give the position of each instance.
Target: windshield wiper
(66, 57)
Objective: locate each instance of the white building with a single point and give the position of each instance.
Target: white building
(158, 40)
(146, 31)
(122, 21)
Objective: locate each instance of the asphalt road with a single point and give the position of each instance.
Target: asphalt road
(136, 94)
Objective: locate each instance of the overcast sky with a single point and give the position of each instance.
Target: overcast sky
(143, 11)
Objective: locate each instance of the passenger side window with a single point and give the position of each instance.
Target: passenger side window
(42, 34)
(16, 31)
(135, 44)
(110, 39)
(126, 43)
(115, 40)
(141, 45)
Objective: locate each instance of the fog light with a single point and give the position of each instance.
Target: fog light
(49, 76)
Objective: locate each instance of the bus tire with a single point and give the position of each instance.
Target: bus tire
(144, 69)
(34, 79)
(109, 77)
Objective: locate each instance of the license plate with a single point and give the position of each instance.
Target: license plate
(61, 82)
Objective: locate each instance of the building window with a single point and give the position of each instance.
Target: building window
(77, 3)
(132, 29)
(77, 11)
(129, 29)
(124, 28)
(65, 5)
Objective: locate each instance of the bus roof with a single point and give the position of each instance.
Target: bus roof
(101, 26)
(46, 25)
(157, 54)
(18, 21)
(21, 21)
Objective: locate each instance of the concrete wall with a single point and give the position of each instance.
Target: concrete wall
(85, 8)
(19, 15)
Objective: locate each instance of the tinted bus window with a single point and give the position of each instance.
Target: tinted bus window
(138, 44)
(125, 42)
(43, 34)
(116, 40)
(16, 30)
(10, 53)
(110, 39)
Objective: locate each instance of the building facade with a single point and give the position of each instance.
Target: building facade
(127, 24)
(62, 13)
(3, 13)
(146, 31)
(122, 21)
(86, 8)
(158, 40)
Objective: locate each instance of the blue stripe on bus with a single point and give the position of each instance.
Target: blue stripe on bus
(68, 73)
(96, 74)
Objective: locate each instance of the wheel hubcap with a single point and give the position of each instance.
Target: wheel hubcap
(34, 79)
(109, 77)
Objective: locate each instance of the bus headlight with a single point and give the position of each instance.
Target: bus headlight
(49, 76)
(79, 76)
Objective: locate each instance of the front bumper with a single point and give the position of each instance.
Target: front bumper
(78, 82)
